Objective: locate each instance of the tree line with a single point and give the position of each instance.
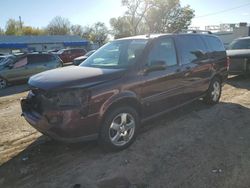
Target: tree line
(97, 33)
(141, 17)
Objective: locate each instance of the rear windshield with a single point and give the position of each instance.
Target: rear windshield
(240, 44)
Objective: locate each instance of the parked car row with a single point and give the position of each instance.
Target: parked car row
(124, 83)
(68, 55)
(20, 67)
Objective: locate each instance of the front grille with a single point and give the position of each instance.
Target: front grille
(36, 104)
(35, 100)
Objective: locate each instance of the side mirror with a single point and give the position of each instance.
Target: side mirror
(156, 66)
(199, 53)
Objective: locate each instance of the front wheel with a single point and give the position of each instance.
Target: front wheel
(214, 92)
(3, 83)
(119, 128)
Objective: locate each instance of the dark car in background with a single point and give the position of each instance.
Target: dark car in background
(1, 58)
(124, 83)
(239, 54)
(20, 67)
(68, 55)
(79, 60)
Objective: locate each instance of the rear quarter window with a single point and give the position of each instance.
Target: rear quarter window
(191, 48)
(214, 44)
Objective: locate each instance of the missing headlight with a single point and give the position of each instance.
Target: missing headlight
(72, 98)
(68, 98)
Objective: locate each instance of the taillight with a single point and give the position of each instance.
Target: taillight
(228, 62)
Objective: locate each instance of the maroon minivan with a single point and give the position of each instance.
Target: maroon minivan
(123, 84)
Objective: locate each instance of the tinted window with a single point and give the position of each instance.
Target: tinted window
(214, 44)
(39, 58)
(240, 44)
(164, 50)
(192, 48)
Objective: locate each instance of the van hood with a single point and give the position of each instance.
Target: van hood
(73, 77)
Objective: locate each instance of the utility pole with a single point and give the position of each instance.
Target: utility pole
(20, 21)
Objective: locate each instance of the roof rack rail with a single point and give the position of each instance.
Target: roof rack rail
(196, 31)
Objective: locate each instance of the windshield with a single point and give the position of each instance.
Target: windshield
(116, 54)
(6, 61)
(1, 59)
(240, 44)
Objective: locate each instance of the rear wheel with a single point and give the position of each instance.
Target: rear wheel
(247, 75)
(119, 129)
(214, 92)
(3, 83)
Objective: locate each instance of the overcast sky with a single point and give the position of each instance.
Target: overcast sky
(87, 12)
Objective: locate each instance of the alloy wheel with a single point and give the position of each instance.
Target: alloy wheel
(2, 83)
(122, 129)
(216, 91)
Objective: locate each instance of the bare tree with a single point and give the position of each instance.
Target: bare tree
(13, 27)
(121, 27)
(154, 16)
(168, 16)
(59, 26)
(136, 10)
(2, 31)
(97, 33)
(77, 30)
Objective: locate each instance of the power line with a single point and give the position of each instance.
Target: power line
(222, 11)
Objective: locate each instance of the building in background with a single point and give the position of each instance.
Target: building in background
(229, 32)
(10, 44)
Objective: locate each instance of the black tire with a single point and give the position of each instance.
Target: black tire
(247, 74)
(210, 97)
(107, 133)
(3, 83)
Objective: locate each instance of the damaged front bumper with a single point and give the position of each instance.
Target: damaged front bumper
(67, 124)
